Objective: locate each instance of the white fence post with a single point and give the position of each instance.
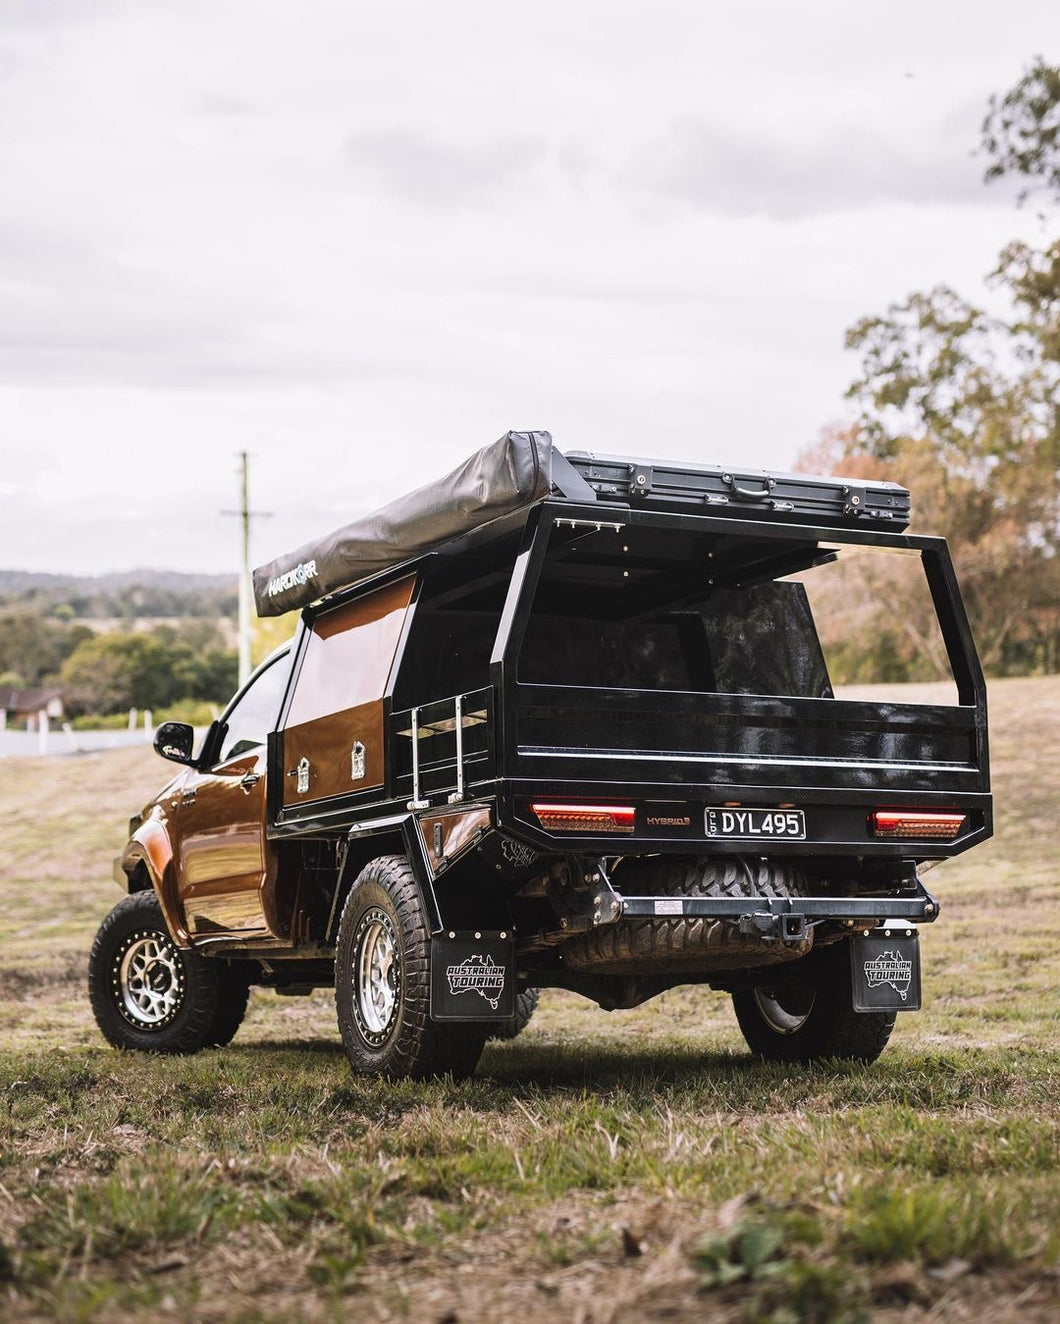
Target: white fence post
(42, 732)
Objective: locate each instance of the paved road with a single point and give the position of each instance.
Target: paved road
(26, 744)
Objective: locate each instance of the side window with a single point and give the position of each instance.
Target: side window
(453, 632)
(349, 654)
(254, 716)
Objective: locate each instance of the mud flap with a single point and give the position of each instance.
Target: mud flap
(473, 977)
(885, 969)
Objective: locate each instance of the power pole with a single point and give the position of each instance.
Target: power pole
(245, 515)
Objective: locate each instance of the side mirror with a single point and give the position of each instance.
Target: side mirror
(175, 741)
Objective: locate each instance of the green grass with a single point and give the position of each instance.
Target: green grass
(616, 1167)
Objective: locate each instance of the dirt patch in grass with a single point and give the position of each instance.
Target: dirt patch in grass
(70, 968)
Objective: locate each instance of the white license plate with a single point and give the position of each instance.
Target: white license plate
(757, 824)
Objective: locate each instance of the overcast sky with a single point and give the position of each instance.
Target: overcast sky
(362, 240)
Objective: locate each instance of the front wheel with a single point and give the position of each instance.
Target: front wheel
(805, 1012)
(383, 982)
(151, 995)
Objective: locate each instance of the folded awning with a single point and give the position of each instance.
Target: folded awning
(498, 480)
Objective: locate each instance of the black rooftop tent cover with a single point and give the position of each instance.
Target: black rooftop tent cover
(523, 468)
(496, 481)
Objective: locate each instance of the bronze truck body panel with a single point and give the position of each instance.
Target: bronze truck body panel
(329, 746)
(151, 848)
(335, 719)
(220, 849)
(447, 836)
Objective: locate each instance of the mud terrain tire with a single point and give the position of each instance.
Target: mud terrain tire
(525, 1006)
(383, 983)
(652, 946)
(807, 1013)
(149, 995)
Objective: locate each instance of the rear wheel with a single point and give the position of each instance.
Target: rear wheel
(525, 1006)
(805, 1012)
(383, 982)
(149, 994)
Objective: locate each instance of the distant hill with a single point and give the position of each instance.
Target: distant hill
(126, 593)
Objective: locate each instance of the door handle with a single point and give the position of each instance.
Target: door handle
(188, 797)
(248, 781)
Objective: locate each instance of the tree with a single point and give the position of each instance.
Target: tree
(109, 673)
(1021, 132)
(270, 632)
(210, 673)
(33, 646)
(964, 407)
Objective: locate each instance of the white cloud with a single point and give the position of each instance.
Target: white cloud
(428, 171)
(363, 240)
(727, 169)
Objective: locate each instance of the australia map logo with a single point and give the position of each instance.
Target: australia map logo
(478, 974)
(890, 968)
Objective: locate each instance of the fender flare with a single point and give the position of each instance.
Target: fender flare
(150, 849)
(396, 834)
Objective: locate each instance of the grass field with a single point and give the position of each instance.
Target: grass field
(603, 1168)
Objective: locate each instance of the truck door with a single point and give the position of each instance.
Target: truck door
(222, 860)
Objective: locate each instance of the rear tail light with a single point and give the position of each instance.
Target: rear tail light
(916, 824)
(585, 818)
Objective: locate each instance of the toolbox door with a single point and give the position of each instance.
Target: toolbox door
(332, 736)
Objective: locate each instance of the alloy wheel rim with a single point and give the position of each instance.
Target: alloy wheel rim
(148, 980)
(377, 976)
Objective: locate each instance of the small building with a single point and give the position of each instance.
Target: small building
(29, 706)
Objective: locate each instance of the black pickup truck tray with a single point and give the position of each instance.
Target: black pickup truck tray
(754, 493)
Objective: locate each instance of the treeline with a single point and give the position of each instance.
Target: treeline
(963, 407)
(104, 674)
(34, 647)
(131, 596)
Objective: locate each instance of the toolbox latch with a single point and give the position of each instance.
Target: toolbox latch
(640, 480)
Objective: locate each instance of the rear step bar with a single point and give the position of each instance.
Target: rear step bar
(917, 908)
(785, 919)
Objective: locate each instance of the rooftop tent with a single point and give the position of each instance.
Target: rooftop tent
(498, 480)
